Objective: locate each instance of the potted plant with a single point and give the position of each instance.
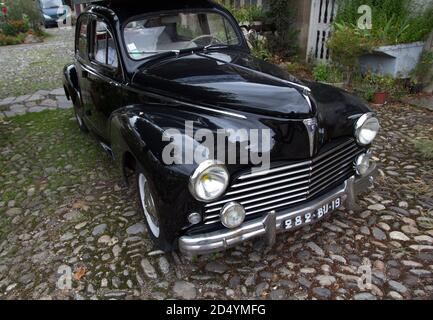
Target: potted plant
(380, 85)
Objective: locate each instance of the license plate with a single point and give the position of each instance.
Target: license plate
(311, 217)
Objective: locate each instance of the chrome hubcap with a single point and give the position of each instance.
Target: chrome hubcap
(148, 205)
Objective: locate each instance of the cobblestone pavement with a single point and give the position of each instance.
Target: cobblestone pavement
(36, 102)
(27, 68)
(62, 206)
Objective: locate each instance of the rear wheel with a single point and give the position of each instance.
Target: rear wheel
(149, 208)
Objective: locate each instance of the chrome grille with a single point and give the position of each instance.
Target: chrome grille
(287, 185)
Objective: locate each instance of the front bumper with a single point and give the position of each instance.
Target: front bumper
(270, 225)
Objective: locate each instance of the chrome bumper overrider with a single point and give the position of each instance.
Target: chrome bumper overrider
(271, 224)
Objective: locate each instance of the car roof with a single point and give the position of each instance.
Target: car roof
(126, 9)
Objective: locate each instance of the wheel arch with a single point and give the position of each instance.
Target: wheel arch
(71, 83)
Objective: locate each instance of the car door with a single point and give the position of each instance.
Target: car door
(81, 62)
(104, 77)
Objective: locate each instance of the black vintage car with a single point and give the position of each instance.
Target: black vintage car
(150, 75)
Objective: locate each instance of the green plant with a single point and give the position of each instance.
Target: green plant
(11, 40)
(246, 14)
(327, 73)
(255, 13)
(423, 69)
(25, 10)
(282, 42)
(347, 43)
(259, 49)
(425, 146)
(14, 27)
(379, 83)
(393, 21)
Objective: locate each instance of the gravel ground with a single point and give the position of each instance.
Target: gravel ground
(27, 68)
(64, 211)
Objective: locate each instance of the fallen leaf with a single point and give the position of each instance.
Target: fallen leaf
(79, 273)
(80, 205)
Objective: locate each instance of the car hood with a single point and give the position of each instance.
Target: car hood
(229, 80)
(268, 97)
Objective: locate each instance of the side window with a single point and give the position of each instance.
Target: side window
(82, 38)
(104, 49)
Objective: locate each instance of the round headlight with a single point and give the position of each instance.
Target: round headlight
(232, 215)
(366, 129)
(362, 164)
(209, 181)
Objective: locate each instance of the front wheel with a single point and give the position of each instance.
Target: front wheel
(149, 209)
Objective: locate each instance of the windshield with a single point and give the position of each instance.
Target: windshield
(177, 31)
(47, 4)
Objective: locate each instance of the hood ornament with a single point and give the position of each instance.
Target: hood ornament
(312, 127)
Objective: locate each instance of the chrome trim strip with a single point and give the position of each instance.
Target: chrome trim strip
(290, 173)
(272, 184)
(295, 165)
(255, 194)
(338, 155)
(285, 204)
(331, 151)
(244, 203)
(278, 169)
(311, 126)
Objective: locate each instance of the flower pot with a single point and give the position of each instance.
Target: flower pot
(379, 97)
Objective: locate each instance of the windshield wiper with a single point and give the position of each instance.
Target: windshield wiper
(215, 46)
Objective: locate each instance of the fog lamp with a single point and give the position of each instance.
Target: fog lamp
(232, 215)
(362, 164)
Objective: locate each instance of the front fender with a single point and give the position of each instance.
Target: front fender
(136, 132)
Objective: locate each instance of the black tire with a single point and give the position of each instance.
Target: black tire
(151, 219)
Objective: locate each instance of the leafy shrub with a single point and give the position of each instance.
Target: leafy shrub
(394, 21)
(282, 42)
(246, 14)
(347, 44)
(327, 73)
(14, 27)
(25, 9)
(379, 83)
(369, 83)
(11, 40)
(423, 68)
(259, 49)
